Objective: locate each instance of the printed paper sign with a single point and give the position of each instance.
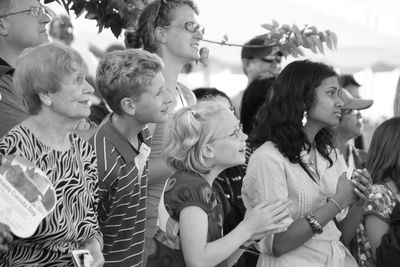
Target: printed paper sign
(26, 195)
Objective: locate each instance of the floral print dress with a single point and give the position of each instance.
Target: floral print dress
(381, 203)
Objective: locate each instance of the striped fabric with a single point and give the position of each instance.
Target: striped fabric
(73, 221)
(122, 207)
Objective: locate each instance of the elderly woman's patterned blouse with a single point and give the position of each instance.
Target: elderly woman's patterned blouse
(73, 222)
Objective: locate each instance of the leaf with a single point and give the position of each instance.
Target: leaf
(312, 45)
(116, 28)
(313, 29)
(293, 52)
(90, 16)
(275, 23)
(328, 42)
(268, 27)
(334, 39)
(299, 38)
(300, 51)
(318, 43)
(306, 43)
(321, 36)
(78, 7)
(295, 28)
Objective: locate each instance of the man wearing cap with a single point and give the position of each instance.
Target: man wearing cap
(350, 126)
(258, 60)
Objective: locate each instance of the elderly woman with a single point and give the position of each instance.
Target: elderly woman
(51, 79)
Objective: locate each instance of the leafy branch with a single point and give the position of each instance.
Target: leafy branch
(124, 14)
(114, 14)
(291, 40)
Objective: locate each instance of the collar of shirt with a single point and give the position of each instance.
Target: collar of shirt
(120, 142)
(5, 68)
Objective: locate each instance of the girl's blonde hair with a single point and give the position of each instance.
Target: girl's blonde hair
(187, 133)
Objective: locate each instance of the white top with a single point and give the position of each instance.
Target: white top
(272, 176)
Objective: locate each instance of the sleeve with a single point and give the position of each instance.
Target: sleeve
(380, 203)
(5, 146)
(193, 192)
(265, 180)
(10, 142)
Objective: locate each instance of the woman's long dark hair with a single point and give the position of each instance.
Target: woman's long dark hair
(383, 160)
(280, 117)
(253, 97)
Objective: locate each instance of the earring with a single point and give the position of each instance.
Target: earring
(48, 103)
(304, 119)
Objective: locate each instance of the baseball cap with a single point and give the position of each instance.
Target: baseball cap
(351, 102)
(259, 52)
(347, 79)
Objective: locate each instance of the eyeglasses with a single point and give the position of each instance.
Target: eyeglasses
(35, 11)
(190, 26)
(236, 133)
(272, 59)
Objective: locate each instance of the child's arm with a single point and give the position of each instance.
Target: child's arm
(193, 223)
(376, 228)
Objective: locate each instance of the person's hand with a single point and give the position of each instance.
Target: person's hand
(345, 193)
(267, 218)
(362, 181)
(94, 248)
(5, 237)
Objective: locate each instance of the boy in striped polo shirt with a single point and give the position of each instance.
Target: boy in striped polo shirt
(132, 85)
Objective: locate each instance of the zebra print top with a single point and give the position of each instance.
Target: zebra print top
(74, 220)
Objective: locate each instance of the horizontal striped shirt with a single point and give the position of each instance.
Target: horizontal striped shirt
(122, 206)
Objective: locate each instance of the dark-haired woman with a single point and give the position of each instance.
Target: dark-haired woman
(295, 159)
(169, 29)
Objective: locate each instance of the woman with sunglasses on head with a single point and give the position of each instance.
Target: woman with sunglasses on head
(170, 29)
(202, 141)
(295, 159)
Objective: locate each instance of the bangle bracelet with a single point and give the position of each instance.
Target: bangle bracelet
(313, 222)
(336, 204)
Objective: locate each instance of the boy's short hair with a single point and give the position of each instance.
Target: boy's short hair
(126, 73)
(188, 132)
(42, 69)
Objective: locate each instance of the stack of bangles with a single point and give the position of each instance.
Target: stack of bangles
(313, 222)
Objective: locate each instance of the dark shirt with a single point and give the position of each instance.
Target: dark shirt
(182, 190)
(12, 107)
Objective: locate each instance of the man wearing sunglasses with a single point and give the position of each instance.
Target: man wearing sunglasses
(258, 61)
(22, 25)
